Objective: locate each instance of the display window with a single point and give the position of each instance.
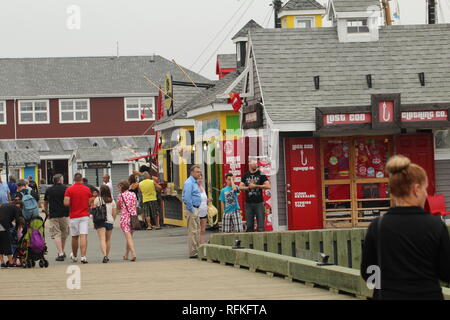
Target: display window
(354, 184)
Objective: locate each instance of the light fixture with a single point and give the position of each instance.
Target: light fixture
(160, 140)
(317, 82)
(194, 148)
(324, 258)
(205, 146)
(422, 78)
(369, 80)
(237, 244)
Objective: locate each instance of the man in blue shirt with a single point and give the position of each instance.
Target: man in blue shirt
(232, 221)
(4, 192)
(192, 200)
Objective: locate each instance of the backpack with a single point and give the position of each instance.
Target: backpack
(37, 241)
(30, 207)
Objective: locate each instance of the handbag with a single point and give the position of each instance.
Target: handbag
(99, 213)
(134, 220)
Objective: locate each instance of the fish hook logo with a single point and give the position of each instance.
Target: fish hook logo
(304, 159)
(386, 115)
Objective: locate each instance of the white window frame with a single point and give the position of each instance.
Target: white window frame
(140, 108)
(357, 26)
(298, 18)
(33, 112)
(4, 112)
(74, 111)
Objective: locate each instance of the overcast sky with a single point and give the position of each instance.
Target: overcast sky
(175, 29)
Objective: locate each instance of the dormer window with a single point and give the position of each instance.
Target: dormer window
(357, 26)
(304, 22)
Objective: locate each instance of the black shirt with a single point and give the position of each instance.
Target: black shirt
(254, 195)
(55, 197)
(415, 254)
(8, 214)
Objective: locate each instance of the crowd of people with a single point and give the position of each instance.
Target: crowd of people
(68, 210)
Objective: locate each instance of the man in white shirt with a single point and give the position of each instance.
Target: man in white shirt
(107, 181)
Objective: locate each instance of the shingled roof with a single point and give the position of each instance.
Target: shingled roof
(207, 97)
(302, 5)
(227, 61)
(288, 59)
(251, 25)
(354, 5)
(90, 77)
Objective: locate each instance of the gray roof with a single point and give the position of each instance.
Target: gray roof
(115, 148)
(251, 25)
(354, 5)
(227, 61)
(21, 157)
(208, 97)
(302, 5)
(288, 59)
(89, 76)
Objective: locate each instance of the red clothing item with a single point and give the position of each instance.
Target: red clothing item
(79, 196)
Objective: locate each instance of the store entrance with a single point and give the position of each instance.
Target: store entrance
(57, 167)
(354, 183)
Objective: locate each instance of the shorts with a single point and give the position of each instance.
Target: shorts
(79, 226)
(106, 225)
(59, 227)
(150, 209)
(5, 243)
(232, 222)
(205, 217)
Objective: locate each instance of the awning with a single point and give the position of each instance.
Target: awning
(142, 157)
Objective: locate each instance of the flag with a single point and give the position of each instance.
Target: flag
(236, 101)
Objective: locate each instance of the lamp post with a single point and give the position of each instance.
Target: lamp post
(7, 166)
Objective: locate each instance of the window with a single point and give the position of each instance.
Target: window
(357, 26)
(304, 22)
(2, 112)
(74, 111)
(135, 107)
(34, 112)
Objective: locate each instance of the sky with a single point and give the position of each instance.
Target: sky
(175, 29)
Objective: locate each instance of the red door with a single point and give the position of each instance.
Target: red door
(303, 185)
(420, 149)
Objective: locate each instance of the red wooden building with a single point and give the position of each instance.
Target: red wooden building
(59, 106)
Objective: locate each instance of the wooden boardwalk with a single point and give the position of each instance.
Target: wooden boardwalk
(182, 279)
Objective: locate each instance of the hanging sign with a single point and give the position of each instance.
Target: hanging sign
(386, 111)
(168, 99)
(97, 164)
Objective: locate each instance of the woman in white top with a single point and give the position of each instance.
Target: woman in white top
(104, 230)
(203, 210)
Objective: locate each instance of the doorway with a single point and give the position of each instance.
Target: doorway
(57, 167)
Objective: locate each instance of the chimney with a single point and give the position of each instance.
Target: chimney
(277, 4)
(431, 11)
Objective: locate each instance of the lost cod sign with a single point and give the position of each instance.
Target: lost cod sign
(97, 165)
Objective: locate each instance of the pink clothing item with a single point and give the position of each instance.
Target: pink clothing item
(127, 202)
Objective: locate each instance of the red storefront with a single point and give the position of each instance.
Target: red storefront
(337, 178)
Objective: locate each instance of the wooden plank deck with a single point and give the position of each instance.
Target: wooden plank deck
(162, 280)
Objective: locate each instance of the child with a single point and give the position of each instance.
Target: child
(231, 221)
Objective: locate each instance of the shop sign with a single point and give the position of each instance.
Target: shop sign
(97, 164)
(252, 117)
(346, 118)
(303, 187)
(433, 115)
(386, 111)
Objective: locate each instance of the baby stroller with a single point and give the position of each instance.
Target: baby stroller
(31, 247)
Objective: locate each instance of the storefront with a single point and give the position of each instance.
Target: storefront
(348, 185)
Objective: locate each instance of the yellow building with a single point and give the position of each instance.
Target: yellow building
(302, 14)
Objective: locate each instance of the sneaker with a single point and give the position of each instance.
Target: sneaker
(4, 266)
(73, 258)
(83, 260)
(105, 259)
(60, 258)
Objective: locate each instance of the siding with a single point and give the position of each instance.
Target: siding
(443, 180)
(281, 182)
(119, 172)
(107, 115)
